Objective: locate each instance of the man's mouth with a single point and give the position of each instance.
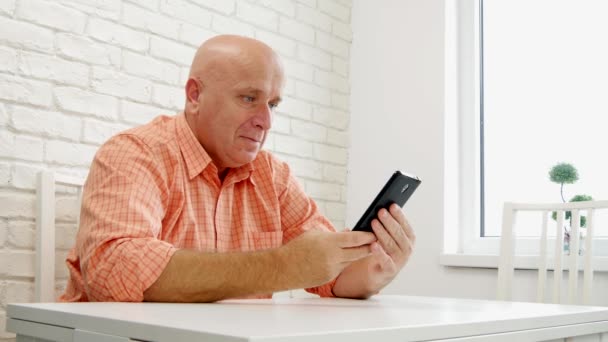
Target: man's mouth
(254, 139)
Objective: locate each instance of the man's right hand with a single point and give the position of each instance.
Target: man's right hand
(316, 257)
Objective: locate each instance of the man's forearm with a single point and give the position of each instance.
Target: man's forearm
(192, 276)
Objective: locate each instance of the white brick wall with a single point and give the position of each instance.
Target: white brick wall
(75, 72)
(51, 14)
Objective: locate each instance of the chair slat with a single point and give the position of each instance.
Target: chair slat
(45, 238)
(507, 251)
(588, 273)
(542, 260)
(558, 267)
(574, 247)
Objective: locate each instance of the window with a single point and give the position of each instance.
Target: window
(526, 84)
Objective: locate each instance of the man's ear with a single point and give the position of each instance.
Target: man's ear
(193, 91)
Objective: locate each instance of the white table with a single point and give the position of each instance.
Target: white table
(382, 318)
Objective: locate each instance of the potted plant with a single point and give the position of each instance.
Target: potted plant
(565, 173)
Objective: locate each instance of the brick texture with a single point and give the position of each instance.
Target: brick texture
(75, 72)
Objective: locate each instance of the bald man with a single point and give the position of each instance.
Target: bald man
(188, 208)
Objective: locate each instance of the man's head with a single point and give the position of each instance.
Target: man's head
(234, 84)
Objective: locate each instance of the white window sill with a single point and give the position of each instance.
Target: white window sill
(524, 262)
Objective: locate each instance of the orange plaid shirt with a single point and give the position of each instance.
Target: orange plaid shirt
(153, 189)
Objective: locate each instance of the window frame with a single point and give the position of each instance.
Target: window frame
(463, 244)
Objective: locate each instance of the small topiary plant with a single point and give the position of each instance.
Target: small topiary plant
(565, 173)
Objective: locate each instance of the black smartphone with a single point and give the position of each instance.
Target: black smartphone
(398, 190)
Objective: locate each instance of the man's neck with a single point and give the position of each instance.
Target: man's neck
(222, 174)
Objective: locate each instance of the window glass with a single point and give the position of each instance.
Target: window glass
(545, 101)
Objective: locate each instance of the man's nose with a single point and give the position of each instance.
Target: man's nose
(263, 117)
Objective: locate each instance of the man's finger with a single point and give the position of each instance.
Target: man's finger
(393, 228)
(384, 238)
(355, 253)
(353, 239)
(400, 217)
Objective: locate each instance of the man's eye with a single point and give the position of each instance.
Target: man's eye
(273, 105)
(249, 99)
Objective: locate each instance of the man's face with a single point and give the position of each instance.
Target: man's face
(235, 108)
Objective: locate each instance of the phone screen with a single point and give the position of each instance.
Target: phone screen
(398, 190)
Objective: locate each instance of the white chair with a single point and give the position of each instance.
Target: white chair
(45, 231)
(507, 249)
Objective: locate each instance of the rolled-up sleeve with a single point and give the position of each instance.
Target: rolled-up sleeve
(124, 201)
(299, 213)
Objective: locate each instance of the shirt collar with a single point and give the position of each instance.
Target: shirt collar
(193, 152)
(197, 159)
(240, 173)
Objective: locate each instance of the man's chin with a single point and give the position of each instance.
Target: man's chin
(246, 157)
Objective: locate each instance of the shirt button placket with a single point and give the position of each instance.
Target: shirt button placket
(217, 222)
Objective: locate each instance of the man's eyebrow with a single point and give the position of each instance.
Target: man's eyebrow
(254, 90)
(249, 90)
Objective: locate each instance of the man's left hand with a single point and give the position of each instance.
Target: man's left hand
(394, 246)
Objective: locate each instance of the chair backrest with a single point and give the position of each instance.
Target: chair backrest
(45, 231)
(507, 249)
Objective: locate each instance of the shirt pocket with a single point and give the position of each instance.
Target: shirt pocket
(265, 240)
